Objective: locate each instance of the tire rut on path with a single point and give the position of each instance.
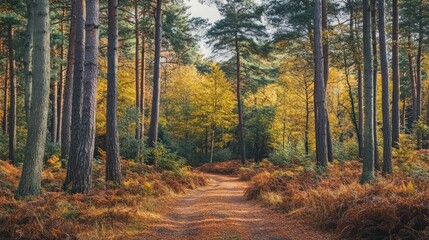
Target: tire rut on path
(220, 211)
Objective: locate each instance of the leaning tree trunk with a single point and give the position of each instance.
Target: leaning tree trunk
(31, 178)
(28, 57)
(395, 77)
(113, 166)
(368, 138)
(387, 133)
(153, 131)
(82, 179)
(77, 90)
(68, 89)
(319, 91)
(12, 107)
(241, 143)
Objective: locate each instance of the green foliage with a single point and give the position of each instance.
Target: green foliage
(222, 155)
(347, 150)
(165, 158)
(288, 156)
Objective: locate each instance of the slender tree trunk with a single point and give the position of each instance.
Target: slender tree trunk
(60, 98)
(369, 144)
(153, 131)
(137, 72)
(387, 133)
(395, 77)
(353, 116)
(12, 107)
(5, 100)
(82, 179)
(403, 117)
(54, 107)
(325, 38)
(77, 99)
(31, 177)
(212, 145)
(142, 85)
(358, 62)
(68, 89)
(413, 85)
(28, 57)
(113, 166)
(374, 77)
(242, 143)
(319, 91)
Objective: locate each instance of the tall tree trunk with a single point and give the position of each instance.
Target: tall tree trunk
(5, 99)
(113, 166)
(68, 89)
(358, 62)
(242, 144)
(31, 177)
(325, 36)
(374, 77)
(396, 95)
(368, 138)
(28, 57)
(387, 133)
(353, 116)
(319, 91)
(54, 107)
(12, 107)
(77, 99)
(60, 98)
(154, 118)
(82, 180)
(413, 83)
(137, 72)
(142, 85)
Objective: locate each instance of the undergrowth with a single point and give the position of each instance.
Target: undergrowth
(107, 212)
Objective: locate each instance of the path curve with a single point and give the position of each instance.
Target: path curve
(220, 211)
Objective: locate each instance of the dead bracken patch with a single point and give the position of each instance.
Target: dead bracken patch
(106, 212)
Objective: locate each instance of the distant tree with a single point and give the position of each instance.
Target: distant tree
(395, 76)
(28, 57)
(238, 31)
(12, 86)
(31, 178)
(68, 89)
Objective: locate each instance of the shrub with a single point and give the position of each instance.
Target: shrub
(222, 155)
(166, 159)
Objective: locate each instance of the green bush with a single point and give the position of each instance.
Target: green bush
(222, 155)
(347, 150)
(165, 158)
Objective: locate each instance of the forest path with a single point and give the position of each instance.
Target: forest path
(220, 211)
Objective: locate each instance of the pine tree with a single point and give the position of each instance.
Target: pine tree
(113, 166)
(31, 178)
(238, 31)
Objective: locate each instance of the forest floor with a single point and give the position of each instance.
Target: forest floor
(220, 211)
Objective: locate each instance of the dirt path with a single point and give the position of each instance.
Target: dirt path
(220, 211)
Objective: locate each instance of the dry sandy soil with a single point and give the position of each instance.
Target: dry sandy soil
(220, 211)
